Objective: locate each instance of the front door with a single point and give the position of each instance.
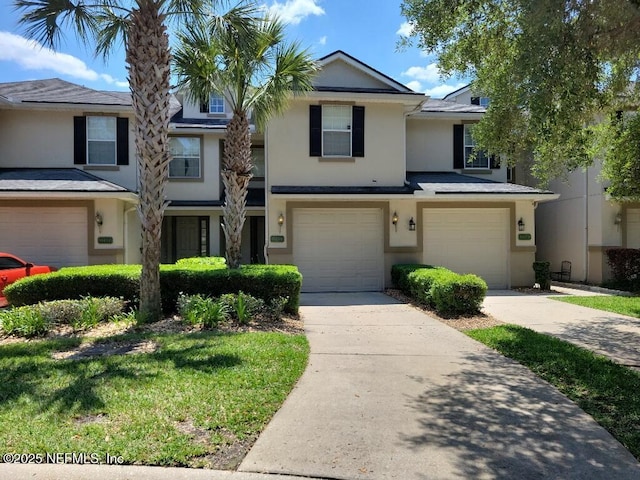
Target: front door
(184, 237)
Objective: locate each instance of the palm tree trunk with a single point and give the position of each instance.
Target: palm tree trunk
(147, 56)
(236, 175)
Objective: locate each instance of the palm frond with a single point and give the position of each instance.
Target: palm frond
(43, 19)
(114, 27)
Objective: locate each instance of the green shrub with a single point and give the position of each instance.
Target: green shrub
(543, 274)
(267, 282)
(200, 310)
(421, 280)
(400, 273)
(454, 294)
(218, 262)
(243, 307)
(448, 292)
(625, 268)
(23, 322)
(84, 313)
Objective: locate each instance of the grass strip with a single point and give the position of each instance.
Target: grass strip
(175, 406)
(629, 306)
(607, 391)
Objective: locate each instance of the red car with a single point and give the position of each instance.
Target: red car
(13, 268)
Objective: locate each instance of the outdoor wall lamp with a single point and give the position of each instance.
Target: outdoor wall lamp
(521, 225)
(394, 220)
(618, 219)
(99, 219)
(280, 221)
(412, 225)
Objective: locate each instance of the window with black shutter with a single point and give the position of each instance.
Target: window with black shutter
(100, 140)
(336, 131)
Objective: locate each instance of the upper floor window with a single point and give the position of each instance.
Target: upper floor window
(257, 158)
(216, 103)
(473, 158)
(465, 155)
(336, 131)
(185, 157)
(100, 140)
(481, 101)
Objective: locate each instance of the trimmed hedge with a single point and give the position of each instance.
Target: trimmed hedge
(625, 267)
(447, 292)
(267, 282)
(542, 271)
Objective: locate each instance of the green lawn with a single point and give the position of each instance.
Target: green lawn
(174, 406)
(607, 391)
(623, 305)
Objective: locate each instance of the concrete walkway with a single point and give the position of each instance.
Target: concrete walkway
(610, 334)
(392, 393)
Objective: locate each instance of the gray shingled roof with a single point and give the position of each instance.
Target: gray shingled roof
(346, 190)
(444, 183)
(444, 106)
(57, 91)
(53, 180)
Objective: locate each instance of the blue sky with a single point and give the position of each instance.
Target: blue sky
(365, 29)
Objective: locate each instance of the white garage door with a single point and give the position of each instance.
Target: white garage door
(339, 250)
(633, 228)
(45, 235)
(469, 241)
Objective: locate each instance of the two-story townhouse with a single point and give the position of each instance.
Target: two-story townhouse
(68, 178)
(582, 223)
(357, 175)
(363, 173)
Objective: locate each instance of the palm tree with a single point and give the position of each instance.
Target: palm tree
(141, 25)
(243, 56)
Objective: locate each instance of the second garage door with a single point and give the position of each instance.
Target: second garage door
(339, 249)
(469, 241)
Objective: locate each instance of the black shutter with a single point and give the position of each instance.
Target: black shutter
(357, 135)
(79, 140)
(122, 141)
(315, 130)
(494, 162)
(204, 107)
(475, 100)
(458, 146)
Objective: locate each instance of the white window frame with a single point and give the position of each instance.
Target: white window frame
(348, 130)
(199, 158)
(470, 149)
(114, 160)
(484, 101)
(216, 104)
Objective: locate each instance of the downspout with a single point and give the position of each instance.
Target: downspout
(266, 196)
(586, 226)
(126, 232)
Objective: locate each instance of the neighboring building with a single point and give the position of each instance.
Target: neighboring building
(357, 175)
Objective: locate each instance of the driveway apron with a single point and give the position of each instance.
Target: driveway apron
(390, 392)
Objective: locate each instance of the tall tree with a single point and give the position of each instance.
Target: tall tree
(556, 72)
(243, 56)
(141, 25)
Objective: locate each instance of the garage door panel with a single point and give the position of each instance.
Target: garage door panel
(45, 235)
(469, 241)
(339, 249)
(633, 228)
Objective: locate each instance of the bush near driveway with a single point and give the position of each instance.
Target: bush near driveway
(448, 292)
(193, 276)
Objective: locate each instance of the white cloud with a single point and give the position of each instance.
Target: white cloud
(405, 30)
(414, 85)
(430, 73)
(31, 55)
(294, 11)
(443, 90)
(323, 40)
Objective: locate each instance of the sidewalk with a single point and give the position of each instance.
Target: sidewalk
(610, 334)
(392, 393)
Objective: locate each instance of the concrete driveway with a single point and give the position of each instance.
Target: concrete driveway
(391, 393)
(610, 334)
